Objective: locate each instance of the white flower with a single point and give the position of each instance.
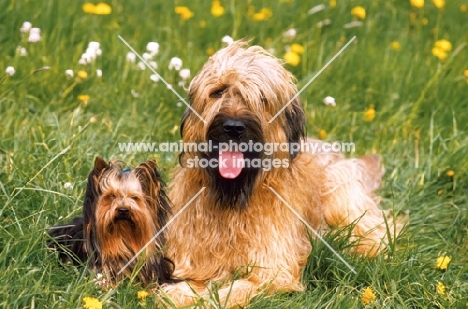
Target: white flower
(87, 58)
(147, 56)
(25, 27)
(290, 34)
(34, 35)
(69, 73)
(324, 22)
(21, 51)
(94, 45)
(153, 64)
(98, 52)
(10, 70)
(353, 24)
(99, 73)
(152, 48)
(154, 77)
(131, 57)
(227, 39)
(68, 185)
(329, 101)
(90, 54)
(316, 9)
(184, 74)
(82, 61)
(175, 64)
(142, 66)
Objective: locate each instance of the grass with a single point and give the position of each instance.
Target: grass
(48, 137)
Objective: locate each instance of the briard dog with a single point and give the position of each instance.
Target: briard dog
(122, 213)
(240, 227)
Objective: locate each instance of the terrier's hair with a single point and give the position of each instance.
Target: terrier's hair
(238, 222)
(123, 211)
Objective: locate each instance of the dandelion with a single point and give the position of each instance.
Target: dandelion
(34, 35)
(69, 73)
(369, 114)
(440, 288)
(142, 295)
(102, 9)
(367, 296)
(217, 9)
(84, 98)
(323, 134)
(68, 185)
(439, 53)
(227, 39)
(316, 9)
(99, 73)
(297, 48)
(332, 3)
(292, 58)
(464, 8)
(465, 73)
(450, 173)
(175, 64)
(88, 8)
(91, 303)
(184, 12)
(290, 34)
(82, 74)
(439, 3)
(263, 14)
(131, 57)
(442, 262)
(10, 70)
(329, 101)
(25, 27)
(152, 48)
(417, 3)
(443, 44)
(154, 77)
(184, 74)
(210, 51)
(359, 12)
(395, 45)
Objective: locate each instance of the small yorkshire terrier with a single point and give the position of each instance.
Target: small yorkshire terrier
(123, 211)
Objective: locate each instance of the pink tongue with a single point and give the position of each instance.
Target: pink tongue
(230, 164)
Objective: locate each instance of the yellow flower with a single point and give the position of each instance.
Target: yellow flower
(440, 288)
(92, 303)
(210, 51)
(103, 9)
(369, 114)
(417, 3)
(442, 262)
(395, 45)
(297, 48)
(89, 8)
(263, 14)
(83, 98)
(332, 3)
(464, 8)
(439, 53)
(359, 12)
(323, 134)
(217, 9)
(292, 58)
(367, 296)
(184, 12)
(443, 44)
(465, 73)
(82, 74)
(440, 192)
(439, 3)
(142, 295)
(450, 173)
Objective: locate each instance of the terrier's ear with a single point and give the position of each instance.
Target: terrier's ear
(99, 165)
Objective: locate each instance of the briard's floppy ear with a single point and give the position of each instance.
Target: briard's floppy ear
(153, 186)
(91, 198)
(296, 122)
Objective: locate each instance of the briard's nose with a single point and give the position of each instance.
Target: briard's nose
(234, 127)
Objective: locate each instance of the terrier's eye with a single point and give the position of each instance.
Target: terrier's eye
(134, 197)
(111, 196)
(217, 94)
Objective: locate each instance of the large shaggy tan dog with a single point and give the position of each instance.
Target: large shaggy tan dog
(240, 227)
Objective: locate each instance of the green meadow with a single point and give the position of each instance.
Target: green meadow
(400, 87)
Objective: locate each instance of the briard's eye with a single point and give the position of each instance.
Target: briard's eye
(217, 93)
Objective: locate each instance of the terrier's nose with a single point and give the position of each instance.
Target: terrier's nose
(122, 211)
(234, 127)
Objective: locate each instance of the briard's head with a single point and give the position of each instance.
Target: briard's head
(123, 210)
(248, 101)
